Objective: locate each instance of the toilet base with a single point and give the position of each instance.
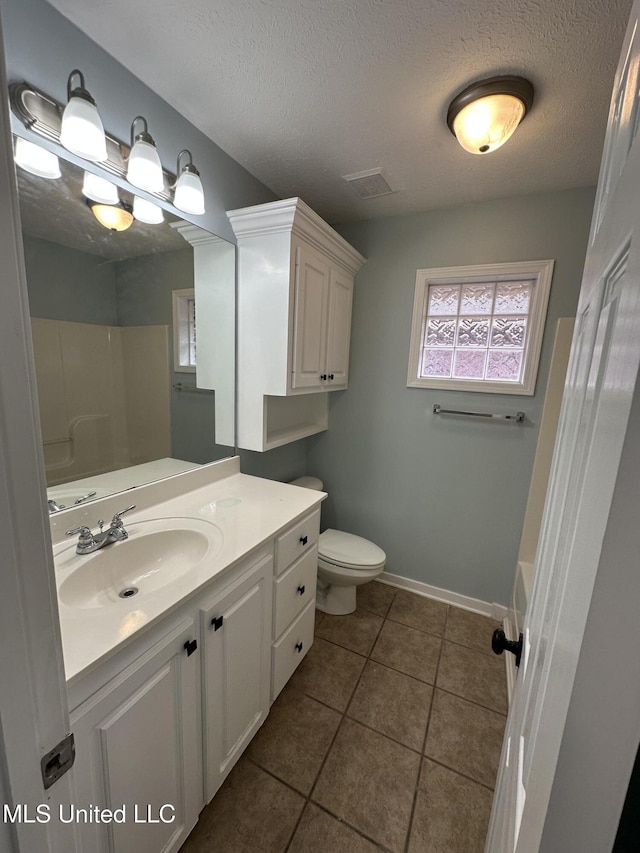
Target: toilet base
(337, 600)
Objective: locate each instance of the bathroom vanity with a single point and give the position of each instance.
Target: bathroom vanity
(169, 683)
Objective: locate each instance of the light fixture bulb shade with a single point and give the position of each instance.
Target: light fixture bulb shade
(147, 212)
(82, 131)
(113, 217)
(486, 124)
(37, 160)
(189, 195)
(145, 169)
(99, 189)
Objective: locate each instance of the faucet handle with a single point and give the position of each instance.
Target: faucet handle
(86, 536)
(116, 521)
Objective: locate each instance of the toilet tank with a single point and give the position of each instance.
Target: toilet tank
(308, 483)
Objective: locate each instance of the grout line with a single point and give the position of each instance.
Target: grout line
(458, 773)
(426, 733)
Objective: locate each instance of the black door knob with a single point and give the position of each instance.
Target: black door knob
(499, 644)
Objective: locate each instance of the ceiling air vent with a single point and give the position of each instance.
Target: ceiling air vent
(369, 184)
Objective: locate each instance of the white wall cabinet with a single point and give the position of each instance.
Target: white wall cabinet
(295, 289)
(159, 725)
(139, 749)
(236, 630)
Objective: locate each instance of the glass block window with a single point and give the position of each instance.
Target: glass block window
(184, 331)
(479, 328)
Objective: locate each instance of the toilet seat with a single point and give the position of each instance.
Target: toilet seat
(349, 551)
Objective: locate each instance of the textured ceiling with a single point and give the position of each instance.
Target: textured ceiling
(301, 92)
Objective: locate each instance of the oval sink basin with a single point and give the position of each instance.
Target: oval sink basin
(156, 554)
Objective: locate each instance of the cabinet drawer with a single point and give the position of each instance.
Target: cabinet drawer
(299, 538)
(295, 589)
(291, 648)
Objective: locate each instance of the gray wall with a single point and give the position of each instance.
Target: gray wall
(66, 284)
(445, 499)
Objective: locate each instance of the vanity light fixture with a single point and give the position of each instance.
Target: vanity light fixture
(99, 189)
(145, 169)
(115, 217)
(81, 131)
(484, 115)
(189, 194)
(147, 212)
(35, 159)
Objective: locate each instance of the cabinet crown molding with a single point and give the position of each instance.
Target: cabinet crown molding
(293, 216)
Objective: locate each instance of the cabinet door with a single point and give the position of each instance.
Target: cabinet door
(237, 669)
(139, 752)
(310, 319)
(339, 328)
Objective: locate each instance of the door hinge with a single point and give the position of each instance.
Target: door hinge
(56, 763)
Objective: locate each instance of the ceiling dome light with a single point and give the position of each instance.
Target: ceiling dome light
(82, 131)
(147, 212)
(99, 189)
(115, 217)
(145, 169)
(484, 115)
(32, 158)
(189, 195)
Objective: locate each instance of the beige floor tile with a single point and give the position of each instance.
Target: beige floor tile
(408, 650)
(356, 631)
(451, 813)
(470, 629)
(392, 703)
(375, 597)
(319, 832)
(252, 811)
(419, 612)
(319, 618)
(294, 739)
(369, 781)
(473, 675)
(329, 674)
(466, 737)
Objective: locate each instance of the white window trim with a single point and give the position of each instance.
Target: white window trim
(181, 329)
(542, 271)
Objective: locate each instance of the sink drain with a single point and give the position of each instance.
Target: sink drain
(128, 592)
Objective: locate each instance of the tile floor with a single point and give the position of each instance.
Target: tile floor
(387, 738)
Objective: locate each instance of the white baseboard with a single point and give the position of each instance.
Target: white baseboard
(475, 605)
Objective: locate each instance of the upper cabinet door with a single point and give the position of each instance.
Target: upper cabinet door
(339, 328)
(310, 319)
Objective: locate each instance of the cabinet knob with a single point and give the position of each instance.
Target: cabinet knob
(216, 622)
(303, 540)
(331, 376)
(301, 589)
(191, 646)
(298, 647)
(323, 376)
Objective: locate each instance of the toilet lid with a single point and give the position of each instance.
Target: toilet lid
(352, 552)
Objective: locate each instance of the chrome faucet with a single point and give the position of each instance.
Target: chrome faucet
(88, 543)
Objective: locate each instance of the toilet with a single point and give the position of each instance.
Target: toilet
(345, 561)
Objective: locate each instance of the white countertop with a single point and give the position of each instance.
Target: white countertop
(248, 511)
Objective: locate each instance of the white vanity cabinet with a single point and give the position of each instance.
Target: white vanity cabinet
(295, 289)
(294, 598)
(236, 636)
(139, 749)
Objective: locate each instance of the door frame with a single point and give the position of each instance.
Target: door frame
(34, 714)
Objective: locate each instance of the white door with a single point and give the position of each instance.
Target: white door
(339, 328)
(33, 701)
(599, 391)
(310, 319)
(140, 751)
(236, 630)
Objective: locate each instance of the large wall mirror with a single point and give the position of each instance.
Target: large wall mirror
(133, 336)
